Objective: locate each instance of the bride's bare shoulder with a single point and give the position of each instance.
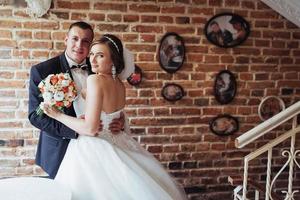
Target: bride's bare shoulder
(94, 80)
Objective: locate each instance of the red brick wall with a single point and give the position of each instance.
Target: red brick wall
(177, 133)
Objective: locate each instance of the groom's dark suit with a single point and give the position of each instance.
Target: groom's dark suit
(54, 136)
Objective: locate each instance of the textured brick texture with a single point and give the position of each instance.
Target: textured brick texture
(176, 133)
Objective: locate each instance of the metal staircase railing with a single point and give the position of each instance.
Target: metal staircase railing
(291, 154)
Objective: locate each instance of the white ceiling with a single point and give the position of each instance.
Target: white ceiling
(290, 9)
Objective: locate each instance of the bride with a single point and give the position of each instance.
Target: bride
(101, 165)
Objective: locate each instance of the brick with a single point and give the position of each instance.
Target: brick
(121, 7)
(145, 57)
(199, 2)
(145, 112)
(73, 5)
(130, 37)
(155, 149)
(61, 15)
(233, 3)
(5, 34)
(10, 64)
(214, 3)
(24, 34)
(35, 45)
(141, 48)
(7, 44)
(113, 28)
(181, 30)
(166, 19)
(147, 29)
(21, 14)
(114, 18)
(148, 19)
(173, 9)
(170, 148)
(42, 35)
(261, 24)
(5, 12)
(79, 16)
(10, 24)
(41, 25)
(5, 54)
(144, 8)
(96, 17)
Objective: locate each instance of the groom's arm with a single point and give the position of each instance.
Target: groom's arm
(43, 122)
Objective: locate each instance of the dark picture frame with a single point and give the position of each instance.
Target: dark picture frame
(270, 106)
(171, 52)
(224, 125)
(225, 87)
(136, 77)
(172, 92)
(227, 30)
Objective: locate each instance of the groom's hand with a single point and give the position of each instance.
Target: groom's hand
(117, 124)
(100, 126)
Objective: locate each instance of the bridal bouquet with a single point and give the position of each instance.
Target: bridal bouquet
(57, 90)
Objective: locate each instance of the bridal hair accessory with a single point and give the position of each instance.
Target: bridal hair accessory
(128, 64)
(37, 8)
(113, 72)
(114, 43)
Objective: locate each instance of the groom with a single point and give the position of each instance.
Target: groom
(55, 136)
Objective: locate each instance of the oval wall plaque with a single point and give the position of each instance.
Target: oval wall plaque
(171, 52)
(225, 87)
(172, 92)
(224, 125)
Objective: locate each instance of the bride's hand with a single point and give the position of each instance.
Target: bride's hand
(51, 111)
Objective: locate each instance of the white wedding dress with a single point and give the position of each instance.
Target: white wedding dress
(114, 167)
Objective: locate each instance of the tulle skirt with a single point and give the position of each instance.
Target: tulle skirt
(113, 167)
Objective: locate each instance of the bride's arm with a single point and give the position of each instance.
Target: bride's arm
(90, 124)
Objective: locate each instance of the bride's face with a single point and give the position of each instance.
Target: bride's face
(100, 59)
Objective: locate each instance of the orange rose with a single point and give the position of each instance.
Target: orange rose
(54, 80)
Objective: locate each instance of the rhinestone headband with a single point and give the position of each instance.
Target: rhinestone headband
(113, 43)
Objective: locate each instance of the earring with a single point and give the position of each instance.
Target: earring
(113, 72)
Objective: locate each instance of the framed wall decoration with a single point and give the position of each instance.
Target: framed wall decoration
(136, 77)
(224, 125)
(227, 30)
(270, 106)
(225, 87)
(171, 52)
(172, 92)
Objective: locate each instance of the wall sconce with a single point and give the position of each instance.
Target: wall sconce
(37, 8)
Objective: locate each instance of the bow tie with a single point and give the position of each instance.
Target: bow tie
(83, 66)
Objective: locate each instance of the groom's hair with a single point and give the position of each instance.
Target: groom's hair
(82, 25)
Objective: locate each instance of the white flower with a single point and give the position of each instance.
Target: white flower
(47, 96)
(59, 96)
(65, 83)
(67, 76)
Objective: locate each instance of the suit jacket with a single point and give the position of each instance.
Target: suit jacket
(54, 136)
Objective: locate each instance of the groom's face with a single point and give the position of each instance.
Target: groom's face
(78, 43)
